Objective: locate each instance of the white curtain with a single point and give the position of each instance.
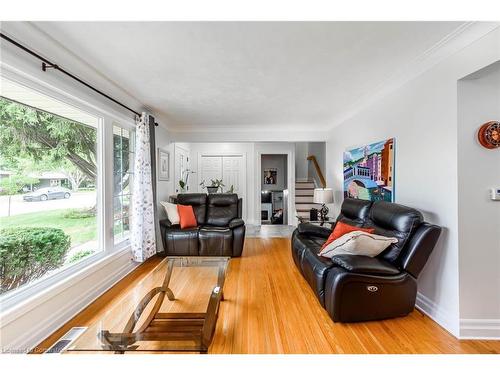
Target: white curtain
(142, 236)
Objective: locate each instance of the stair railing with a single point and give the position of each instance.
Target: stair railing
(318, 170)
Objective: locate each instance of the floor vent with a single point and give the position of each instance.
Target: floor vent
(66, 340)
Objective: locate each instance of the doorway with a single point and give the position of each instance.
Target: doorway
(274, 189)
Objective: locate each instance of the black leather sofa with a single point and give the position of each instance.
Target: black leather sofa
(220, 230)
(356, 288)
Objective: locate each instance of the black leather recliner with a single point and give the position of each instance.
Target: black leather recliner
(356, 288)
(220, 230)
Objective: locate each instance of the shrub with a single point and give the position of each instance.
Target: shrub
(79, 255)
(79, 214)
(26, 254)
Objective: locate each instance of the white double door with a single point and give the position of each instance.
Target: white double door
(231, 169)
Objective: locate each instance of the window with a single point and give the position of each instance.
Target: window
(123, 158)
(49, 211)
(58, 212)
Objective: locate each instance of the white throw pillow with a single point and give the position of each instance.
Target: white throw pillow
(358, 243)
(171, 210)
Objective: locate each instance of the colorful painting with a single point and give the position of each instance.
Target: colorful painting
(369, 171)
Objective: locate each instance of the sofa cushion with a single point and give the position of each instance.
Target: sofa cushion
(394, 220)
(221, 209)
(215, 241)
(354, 211)
(199, 203)
(181, 241)
(315, 269)
(301, 242)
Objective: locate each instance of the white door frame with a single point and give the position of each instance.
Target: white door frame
(176, 179)
(243, 194)
(292, 220)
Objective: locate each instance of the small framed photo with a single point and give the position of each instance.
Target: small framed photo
(270, 176)
(163, 165)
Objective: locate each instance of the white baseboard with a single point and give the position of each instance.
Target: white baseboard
(469, 329)
(480, 329)
(42, 327)
(436, 313)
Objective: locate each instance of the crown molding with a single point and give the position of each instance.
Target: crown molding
(460, 38)
(244, 128)
(250, 134)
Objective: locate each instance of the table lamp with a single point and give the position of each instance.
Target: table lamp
(323, 196)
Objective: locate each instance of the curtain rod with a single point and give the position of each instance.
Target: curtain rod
(47, 64)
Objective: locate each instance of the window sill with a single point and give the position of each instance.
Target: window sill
(20, 304)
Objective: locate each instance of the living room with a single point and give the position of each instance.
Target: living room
(243, 187)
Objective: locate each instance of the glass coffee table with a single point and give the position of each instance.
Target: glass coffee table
(173, 308)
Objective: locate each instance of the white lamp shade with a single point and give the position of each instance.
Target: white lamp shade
(323, 196)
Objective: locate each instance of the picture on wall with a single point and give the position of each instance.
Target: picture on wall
(163, 165)
(270, 176)
(369, 171)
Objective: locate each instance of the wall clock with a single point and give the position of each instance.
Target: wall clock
(489, 134)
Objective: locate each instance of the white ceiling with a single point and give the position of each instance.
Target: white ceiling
(295, 75)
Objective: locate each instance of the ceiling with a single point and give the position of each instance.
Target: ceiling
(294, 75)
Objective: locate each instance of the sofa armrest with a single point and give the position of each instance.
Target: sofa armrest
(237, 222)
(165, 223)
(365, 264)
(314, 230)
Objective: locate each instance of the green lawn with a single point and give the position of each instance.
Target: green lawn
(80, 230)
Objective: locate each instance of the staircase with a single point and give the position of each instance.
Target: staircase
(304, 191)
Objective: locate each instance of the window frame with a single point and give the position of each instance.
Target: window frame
(124, 242)
(104, 188)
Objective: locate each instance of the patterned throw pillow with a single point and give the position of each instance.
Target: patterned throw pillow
(358, 243)
(341, 229)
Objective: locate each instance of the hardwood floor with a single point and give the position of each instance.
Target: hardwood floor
(269, 308)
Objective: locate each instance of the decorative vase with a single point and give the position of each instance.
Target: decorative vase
(212, 189)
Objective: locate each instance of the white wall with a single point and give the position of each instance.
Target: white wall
(301, 163)
(479, 216)
(164, 188)
(422, 116)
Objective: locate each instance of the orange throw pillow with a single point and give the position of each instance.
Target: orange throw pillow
(341, 229)
(186, 216)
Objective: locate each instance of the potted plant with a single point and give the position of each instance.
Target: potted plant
(214, 186)
(183, 183)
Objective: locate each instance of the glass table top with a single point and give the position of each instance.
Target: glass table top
(172, 308)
